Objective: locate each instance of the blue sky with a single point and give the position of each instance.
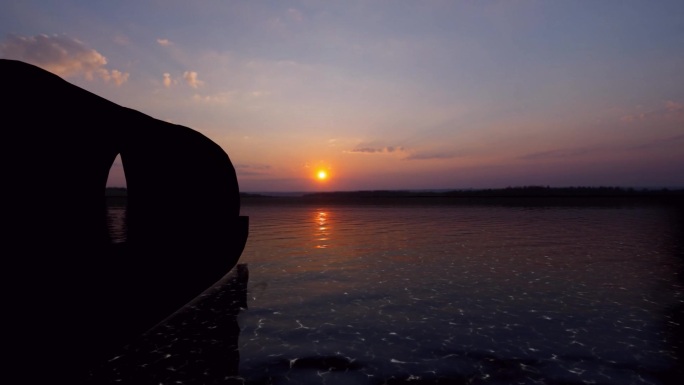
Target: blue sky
(387, 94)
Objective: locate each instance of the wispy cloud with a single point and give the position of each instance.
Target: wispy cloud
(252, 169)
(404, 152)
(669, 109)
(164, 42)
(218, 98)
(376, 150)
(61, 55)
(556, 154)
(430, 155)
(677, 140)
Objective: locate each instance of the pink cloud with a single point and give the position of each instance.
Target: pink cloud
(61, 55)
(191, 79)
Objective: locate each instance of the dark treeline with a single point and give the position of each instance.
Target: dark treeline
(522, 191)
(116, 192)
(116, 196)
(525, 195)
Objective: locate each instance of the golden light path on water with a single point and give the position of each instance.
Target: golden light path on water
(322, 233)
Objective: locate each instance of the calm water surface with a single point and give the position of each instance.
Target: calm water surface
(416, 294)
(477, 294)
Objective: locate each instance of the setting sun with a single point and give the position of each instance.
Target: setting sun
(321, 175)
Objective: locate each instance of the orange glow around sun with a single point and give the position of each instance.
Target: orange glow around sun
(321, 175)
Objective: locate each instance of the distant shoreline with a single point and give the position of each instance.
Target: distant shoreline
(528, 196)
(528, 201)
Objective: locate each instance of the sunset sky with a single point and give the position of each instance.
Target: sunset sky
(387, 94)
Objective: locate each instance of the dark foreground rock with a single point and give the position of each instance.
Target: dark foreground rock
(196, 345)
(70, 296)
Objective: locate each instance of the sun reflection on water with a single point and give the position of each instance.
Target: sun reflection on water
(322, 233)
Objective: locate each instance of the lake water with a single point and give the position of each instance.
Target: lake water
(483, 294)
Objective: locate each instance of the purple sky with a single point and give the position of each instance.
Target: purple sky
(387, 94)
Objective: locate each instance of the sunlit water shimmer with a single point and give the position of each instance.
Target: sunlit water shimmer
(360, 294)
